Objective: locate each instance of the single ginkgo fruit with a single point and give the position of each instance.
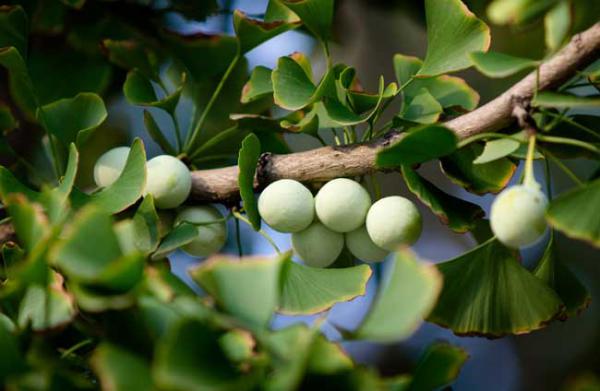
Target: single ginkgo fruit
(362, 247)
(287, 206)
(517, 215)
(109, 166)
(342, 205)
(211, 237)
(169, 181)
(317, 245)
(394, 221)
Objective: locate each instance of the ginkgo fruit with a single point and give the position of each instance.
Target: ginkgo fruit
(168, 180)
(287, 206)
(109, 166)
(317, 245)
(342, 205)
(517, 215)
(362, 247)
(394, 221)
(211, 229)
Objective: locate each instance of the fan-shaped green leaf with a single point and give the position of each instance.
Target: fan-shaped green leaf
(422, 108)
(252, 32)
(557, 23)
(139, 91)
(120, 370)
(130, 54)
(73, 119)
(487, 292)
(179, 236)
(308, 290)
(10, 185)
(477, 178)
(419, 145)
(19, 82)
(247, 161)
(344, 116)
(438, 366)
(28, 219)
(144, 227)
(12, 361)
(557, 275)
(247, 289)
(13, 28)
(406, 297)
(317, 15)
(497, 149)
(277, 11)
(575, 213)
(494, 64)
(452, 33)
(259, 85)
(562, 100)
(459, 215)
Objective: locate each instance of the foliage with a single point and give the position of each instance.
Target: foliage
(87, 298)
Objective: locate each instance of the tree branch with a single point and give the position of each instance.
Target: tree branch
(322, 164)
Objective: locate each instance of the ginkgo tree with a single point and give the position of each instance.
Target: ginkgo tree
(87, 297)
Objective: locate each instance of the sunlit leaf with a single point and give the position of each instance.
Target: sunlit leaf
(277, 11)
(13, 28)
(120, 370)
(293, 88)
(247, 161)
(494, 64)
(247, 289)
(575, 213)
(308, 290)
(517, 11)
(253, 32)
(562, 100)
(487, 292)
(419, 145)
(567, 286)
(497, 149)
(406, 297)
(557, 23)
(477, 178)
(258, 86)
(452, 33)
(459, 215)
(72, 120)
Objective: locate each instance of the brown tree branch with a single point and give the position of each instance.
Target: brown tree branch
(220, 185)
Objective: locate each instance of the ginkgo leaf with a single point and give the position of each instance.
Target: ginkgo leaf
(494, 64)
(497, 149)
(247, 161)
(252, 32)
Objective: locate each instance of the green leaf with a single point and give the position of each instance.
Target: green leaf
(189, 357)
(145, 226)
(317, 15)
(28, 219)
(574, 213)
(557, 23)
(494, 64)
(247, 289)
(157, 135)
(293, 88)
(448, 91)
(120, 370)
(459, 215)
(419, 145)
(45, 308)
(14, 28)
(438, 366)
(259, 85)
(130, 54)
(452, 33)
(567, 286)
(344, 116)
(277, 11)
(422, 108)
(407, 296)
(561, 100)
(517, 11)
(497, 149)
(73, 119)
(139, 91)
(251, 32)
(19, 82)
(11, 185)
(80, 257)
(477, 178)
(8, 123)
(247, 161)
(488, 293)
(12, 361)
(128, 188)
(308, 290)
(181, 235)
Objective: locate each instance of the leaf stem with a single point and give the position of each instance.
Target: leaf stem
(564, 168)
(196, 133)
(571, 122)
(481, 136)
(569, 141)
(238, 238)
(265, 235)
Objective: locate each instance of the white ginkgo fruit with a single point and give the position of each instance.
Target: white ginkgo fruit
(109, 166)
(342, 205)
(169, 181)
(317, 245)
(517, 215)
(394, 221)
(362, 247)
(287, 206)
(210, 237)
